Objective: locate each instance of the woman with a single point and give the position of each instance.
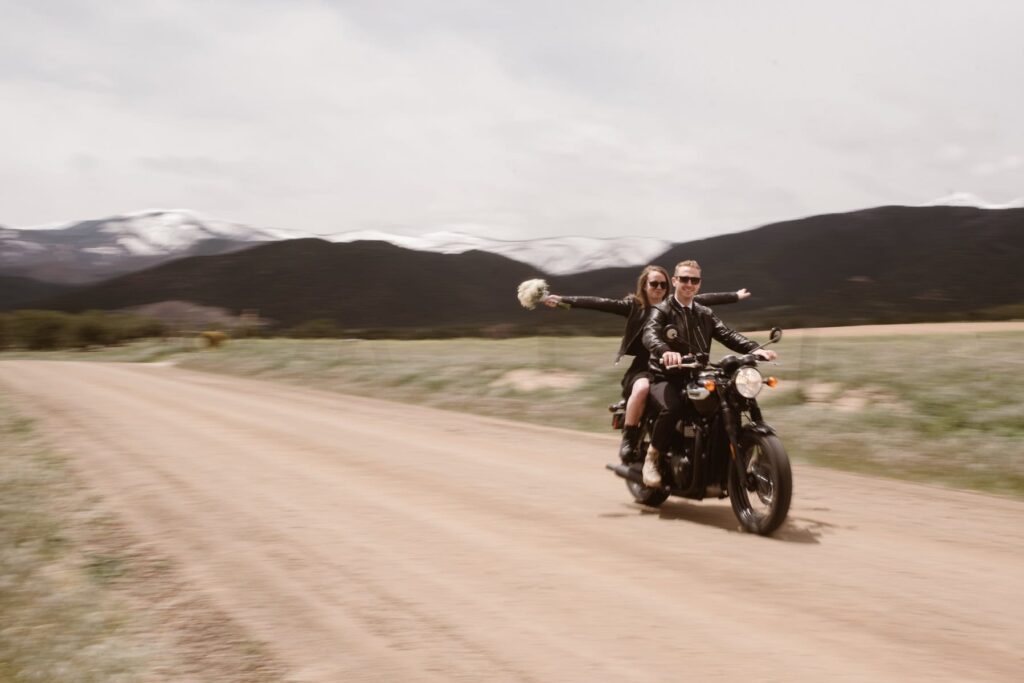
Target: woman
(651, 289)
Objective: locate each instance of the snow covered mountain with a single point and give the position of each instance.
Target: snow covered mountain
(90, 250)
(971, 200)
(554, 255)
(147, 233)
(121, 243)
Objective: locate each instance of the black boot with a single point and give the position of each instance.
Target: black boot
(628, 449)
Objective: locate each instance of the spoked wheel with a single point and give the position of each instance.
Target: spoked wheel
(764, 504)
(643, 494)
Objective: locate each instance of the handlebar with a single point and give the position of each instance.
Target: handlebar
(683, 366)
(703, 362)
(690, 361)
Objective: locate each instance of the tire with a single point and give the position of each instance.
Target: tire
(642, 494)
(762, 509)
(646, 496)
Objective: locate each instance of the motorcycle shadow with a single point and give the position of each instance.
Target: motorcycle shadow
(719, 514)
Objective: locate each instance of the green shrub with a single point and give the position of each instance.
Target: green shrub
(93, 329)
(41, 330)
(50, 330)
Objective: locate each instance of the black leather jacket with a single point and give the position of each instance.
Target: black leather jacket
(671, 327)
(633, 310)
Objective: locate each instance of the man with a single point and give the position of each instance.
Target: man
(678, 326)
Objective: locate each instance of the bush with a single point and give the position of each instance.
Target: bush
(41, 330)
(49, 330)
(93, 329)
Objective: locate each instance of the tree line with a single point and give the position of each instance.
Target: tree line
(50, 330)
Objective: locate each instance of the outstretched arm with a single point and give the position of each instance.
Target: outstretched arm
(718, 298)
(595, 303)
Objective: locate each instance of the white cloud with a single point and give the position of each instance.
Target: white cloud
(527, 119)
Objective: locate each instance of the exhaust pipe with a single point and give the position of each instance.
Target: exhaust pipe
(628, 473)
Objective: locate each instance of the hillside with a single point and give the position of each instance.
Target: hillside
(888, 264)
(358, 285)
(17, 292)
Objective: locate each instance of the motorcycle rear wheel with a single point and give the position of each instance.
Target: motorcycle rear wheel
(763, 507)
(646, 496)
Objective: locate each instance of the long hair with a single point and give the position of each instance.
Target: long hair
(641, 283)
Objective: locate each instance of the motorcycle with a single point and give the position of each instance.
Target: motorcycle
(721, 446)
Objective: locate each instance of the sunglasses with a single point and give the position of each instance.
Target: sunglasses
(684, 279)
(657, 284)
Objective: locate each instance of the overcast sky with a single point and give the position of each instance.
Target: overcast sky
(506, 118)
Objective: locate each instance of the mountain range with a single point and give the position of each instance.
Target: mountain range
(893, 263)
(886, 264)
(94, 250)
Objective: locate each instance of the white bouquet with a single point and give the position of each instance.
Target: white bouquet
(532, 292)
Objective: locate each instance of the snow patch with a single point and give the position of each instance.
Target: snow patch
(159, 232)
(554, 255)
(972, 200)
(104, 251)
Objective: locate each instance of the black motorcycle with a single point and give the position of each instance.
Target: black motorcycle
(721, 447)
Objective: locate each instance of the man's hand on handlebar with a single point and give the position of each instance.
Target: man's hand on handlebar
(671, 359)
(766, 354)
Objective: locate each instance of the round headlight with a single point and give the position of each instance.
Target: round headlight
(748, 382)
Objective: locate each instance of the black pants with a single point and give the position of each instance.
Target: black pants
(671, 400)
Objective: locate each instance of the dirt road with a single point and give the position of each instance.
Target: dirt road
(365, 540)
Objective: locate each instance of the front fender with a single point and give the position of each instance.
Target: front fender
(759, 428)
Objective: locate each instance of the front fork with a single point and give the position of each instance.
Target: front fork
(732, 424)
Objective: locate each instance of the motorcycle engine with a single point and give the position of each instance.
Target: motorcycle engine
(681, 454)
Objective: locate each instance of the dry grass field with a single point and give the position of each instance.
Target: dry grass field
(933, 403)
(938, 402)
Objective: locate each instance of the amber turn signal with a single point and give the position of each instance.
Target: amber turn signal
(709, 385)
(772, 382)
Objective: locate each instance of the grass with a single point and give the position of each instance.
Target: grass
(82, 601)
(457, 374)
(60, 621)
(942, 407)
(145, 351)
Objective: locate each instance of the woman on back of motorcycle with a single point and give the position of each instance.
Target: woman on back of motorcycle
(651, 288)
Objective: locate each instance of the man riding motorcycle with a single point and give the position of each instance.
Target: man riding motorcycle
(678, 326)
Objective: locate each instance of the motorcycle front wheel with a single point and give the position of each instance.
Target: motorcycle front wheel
(763, 505)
